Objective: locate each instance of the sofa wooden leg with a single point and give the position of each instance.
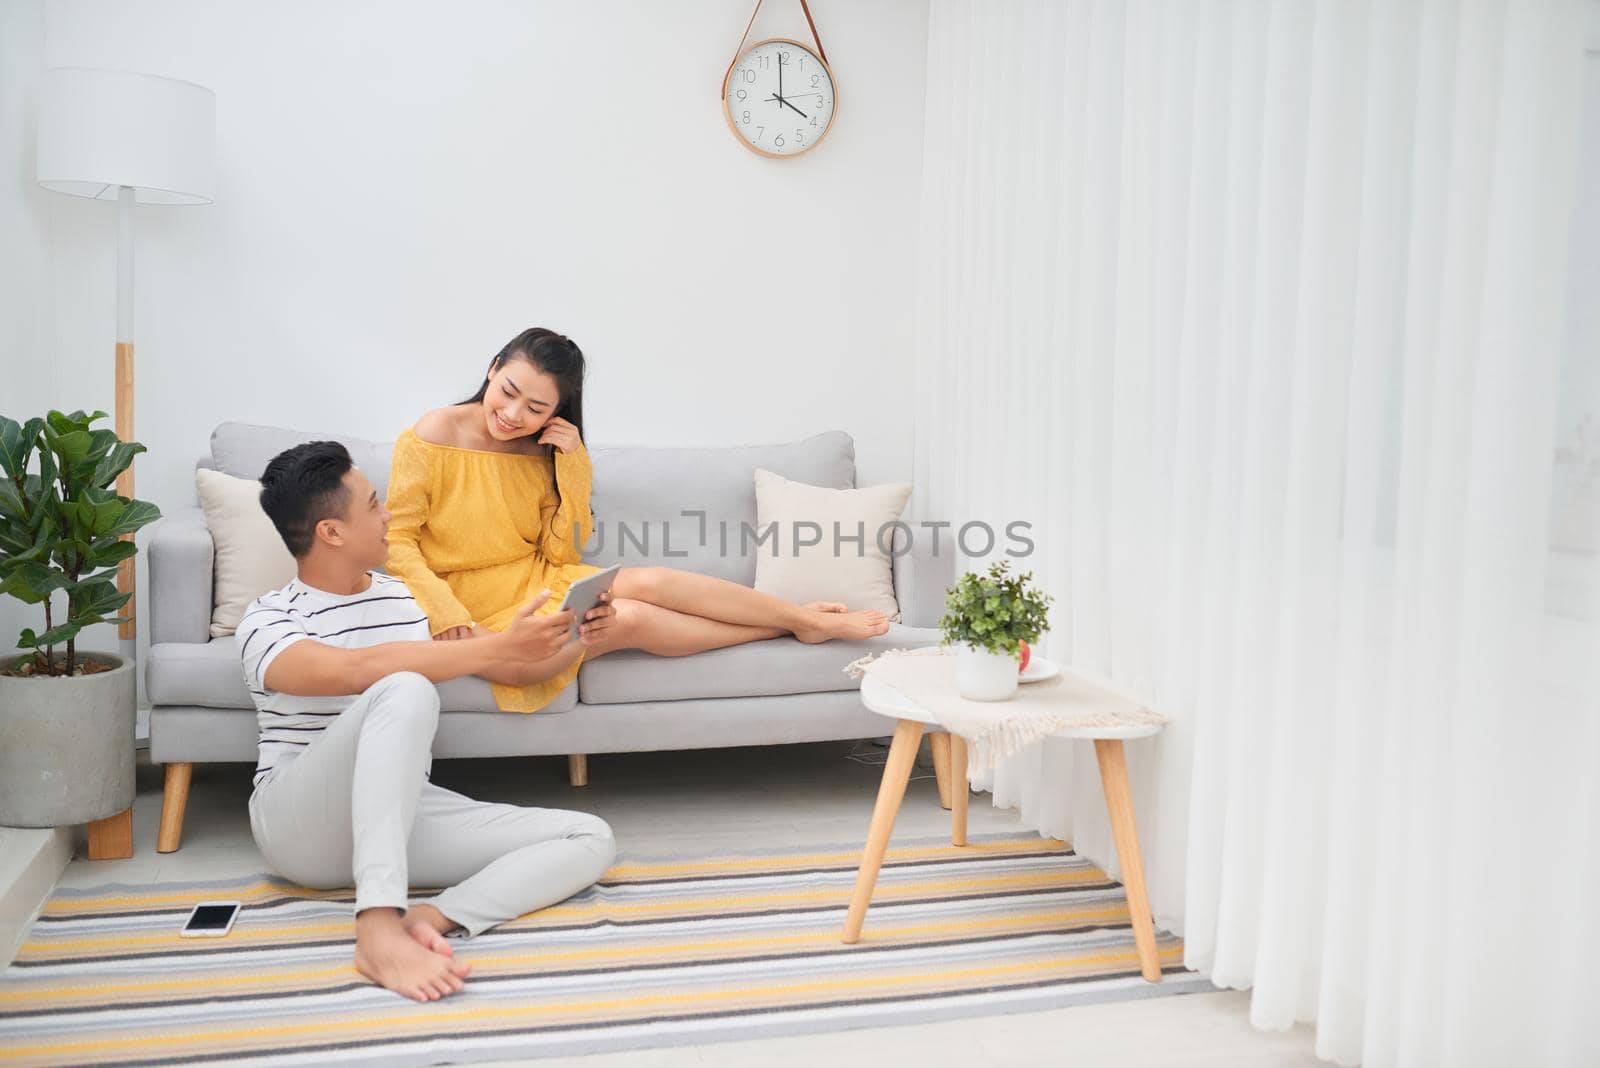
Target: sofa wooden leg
(174, 799)
(940, 744)
(578, 769)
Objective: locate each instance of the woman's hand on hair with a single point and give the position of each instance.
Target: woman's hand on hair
(560, 433)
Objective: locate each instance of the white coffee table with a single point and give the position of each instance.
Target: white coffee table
(912, 721)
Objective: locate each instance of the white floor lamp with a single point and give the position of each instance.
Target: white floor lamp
(117, 135)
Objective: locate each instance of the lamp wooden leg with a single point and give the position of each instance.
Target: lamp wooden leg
(891, 791)
(174, 800)
(124, 428)
(112, 837)
(940, 744)
(578, 769)
(959, 790)
(1119, 803)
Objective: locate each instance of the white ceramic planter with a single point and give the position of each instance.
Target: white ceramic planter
(985, 676)
(66, 746)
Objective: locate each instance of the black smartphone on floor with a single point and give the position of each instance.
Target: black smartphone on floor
(211, 919)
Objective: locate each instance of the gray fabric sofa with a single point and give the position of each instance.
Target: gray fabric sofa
(760, 693)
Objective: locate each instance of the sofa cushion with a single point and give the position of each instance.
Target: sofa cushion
(244, 449)
(251, 557)
(185, 673)
(754, 669)
(646, 489)
(857, 572)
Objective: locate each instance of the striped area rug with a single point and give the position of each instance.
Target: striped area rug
(664, 951)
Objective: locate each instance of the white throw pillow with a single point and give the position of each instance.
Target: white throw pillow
(251, 557)
(859, 574)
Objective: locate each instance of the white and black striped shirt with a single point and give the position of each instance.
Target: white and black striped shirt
(384, 612)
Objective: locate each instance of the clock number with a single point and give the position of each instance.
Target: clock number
(760, 130)
(813, 120)
(778, 141)
(740, 94)
(749, 75)
(814, 78)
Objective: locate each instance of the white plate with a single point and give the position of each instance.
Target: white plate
(1039, 669)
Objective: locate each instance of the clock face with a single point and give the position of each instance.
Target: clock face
(780, 98)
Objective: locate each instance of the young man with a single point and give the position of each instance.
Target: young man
(341, 668)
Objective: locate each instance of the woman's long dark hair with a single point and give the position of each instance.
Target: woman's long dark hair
(557, 356)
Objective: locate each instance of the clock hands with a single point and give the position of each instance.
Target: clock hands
(784, 103)
(778, 96)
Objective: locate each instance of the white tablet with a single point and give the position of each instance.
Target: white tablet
(585, 594)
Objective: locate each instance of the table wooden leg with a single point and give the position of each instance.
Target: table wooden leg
(892, 789)
(939, 743)
(1119, 803)
(960, 791)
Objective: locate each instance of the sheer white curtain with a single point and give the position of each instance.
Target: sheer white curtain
(1259, 313)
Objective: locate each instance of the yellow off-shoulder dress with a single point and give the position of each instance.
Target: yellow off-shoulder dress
(474, 534)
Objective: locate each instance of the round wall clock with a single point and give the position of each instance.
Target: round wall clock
(779, 95)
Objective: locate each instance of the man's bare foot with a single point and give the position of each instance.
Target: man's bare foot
(396, 958)
(851, 626)
(435, 921)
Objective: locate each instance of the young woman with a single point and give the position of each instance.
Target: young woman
(484, 497)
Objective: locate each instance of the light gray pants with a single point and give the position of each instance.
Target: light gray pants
(356, 806)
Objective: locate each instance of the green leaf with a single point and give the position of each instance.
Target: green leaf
(17, 441)
(71, 447)
(115, 462)
(49, 471)
(32, 582)
(96, 598)
(43, 542)
(138, 514)
(54, 636)
(11, 506)
(110, 553)
(97, 511)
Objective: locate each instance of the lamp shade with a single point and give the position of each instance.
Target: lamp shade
(102, 129)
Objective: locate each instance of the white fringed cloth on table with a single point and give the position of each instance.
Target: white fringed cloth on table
(997, 729)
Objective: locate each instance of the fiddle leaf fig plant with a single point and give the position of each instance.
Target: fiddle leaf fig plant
(62, 527)
(996, 611)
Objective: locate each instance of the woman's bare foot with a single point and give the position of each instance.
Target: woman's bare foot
(824, 606)
(398, 959)
(852, 626)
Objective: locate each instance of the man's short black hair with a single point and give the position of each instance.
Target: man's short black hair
(303, 486)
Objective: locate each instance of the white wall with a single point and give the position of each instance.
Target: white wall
(403, 187)
(27, 324)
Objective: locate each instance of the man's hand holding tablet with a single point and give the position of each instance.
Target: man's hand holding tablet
(535, 637)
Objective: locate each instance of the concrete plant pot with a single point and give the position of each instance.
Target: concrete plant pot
(66, 745)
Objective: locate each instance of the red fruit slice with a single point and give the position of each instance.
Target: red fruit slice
(1026, 655)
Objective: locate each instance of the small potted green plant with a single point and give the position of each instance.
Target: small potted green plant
(991, 618)
(66, 721)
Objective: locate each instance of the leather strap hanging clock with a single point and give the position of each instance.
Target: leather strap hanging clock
(779, 95)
